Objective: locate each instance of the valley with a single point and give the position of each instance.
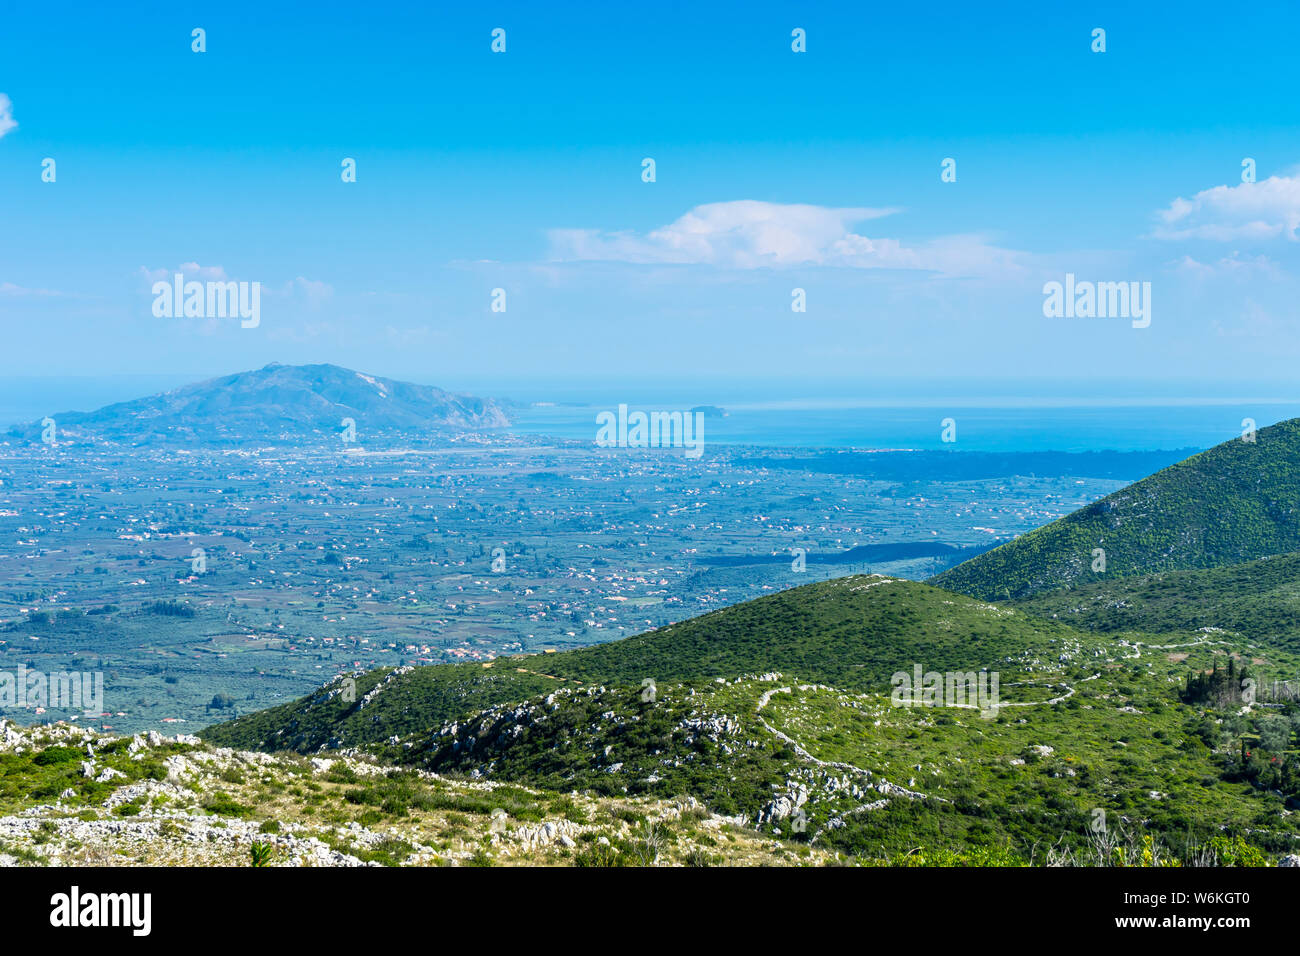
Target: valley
(453, 646)
(257, 574)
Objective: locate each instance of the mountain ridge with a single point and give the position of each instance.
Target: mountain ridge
(277, 401)
(854, 631)
(1236, 502)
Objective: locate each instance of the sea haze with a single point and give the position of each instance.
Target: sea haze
(793, 415)
(979, 428)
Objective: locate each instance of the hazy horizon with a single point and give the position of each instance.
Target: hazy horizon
(1006, 416)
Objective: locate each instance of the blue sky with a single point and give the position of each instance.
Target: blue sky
(775, 170)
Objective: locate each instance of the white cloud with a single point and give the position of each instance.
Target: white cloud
(207, 273)
(190, 270)
(749, 234)
(1259, 210)
(1234, 266)
(6, 115)
(9, 289)
(313, 291)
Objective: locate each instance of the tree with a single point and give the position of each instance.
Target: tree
(1274, 734)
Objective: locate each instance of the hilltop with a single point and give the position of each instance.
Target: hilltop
(852, 632)
(1236, 502)
(278, 402)
(777, 713)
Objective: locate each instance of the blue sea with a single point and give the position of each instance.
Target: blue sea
(803, 416)
(978, 427)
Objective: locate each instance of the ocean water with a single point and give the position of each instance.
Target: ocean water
(977, 428)
(757, 414)
(29, 399)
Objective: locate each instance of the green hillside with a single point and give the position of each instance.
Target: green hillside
(853, 773)
(851, 632)
(1233, 503)
(777, 713)
(382, 703)
(1259, 600)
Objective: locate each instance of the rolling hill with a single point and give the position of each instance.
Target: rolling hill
(277, 402)
(777, 714)
(852, 632)
(1259, 600)
(1236, 502)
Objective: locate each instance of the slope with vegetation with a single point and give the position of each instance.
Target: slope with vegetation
(1236, 502)
(777, 714)
(851, 632)
(72, 796)
(1259, 600)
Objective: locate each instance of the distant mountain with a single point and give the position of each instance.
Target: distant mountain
(1236, 502)
(278, 401)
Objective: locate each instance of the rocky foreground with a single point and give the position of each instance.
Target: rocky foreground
(73, 796)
